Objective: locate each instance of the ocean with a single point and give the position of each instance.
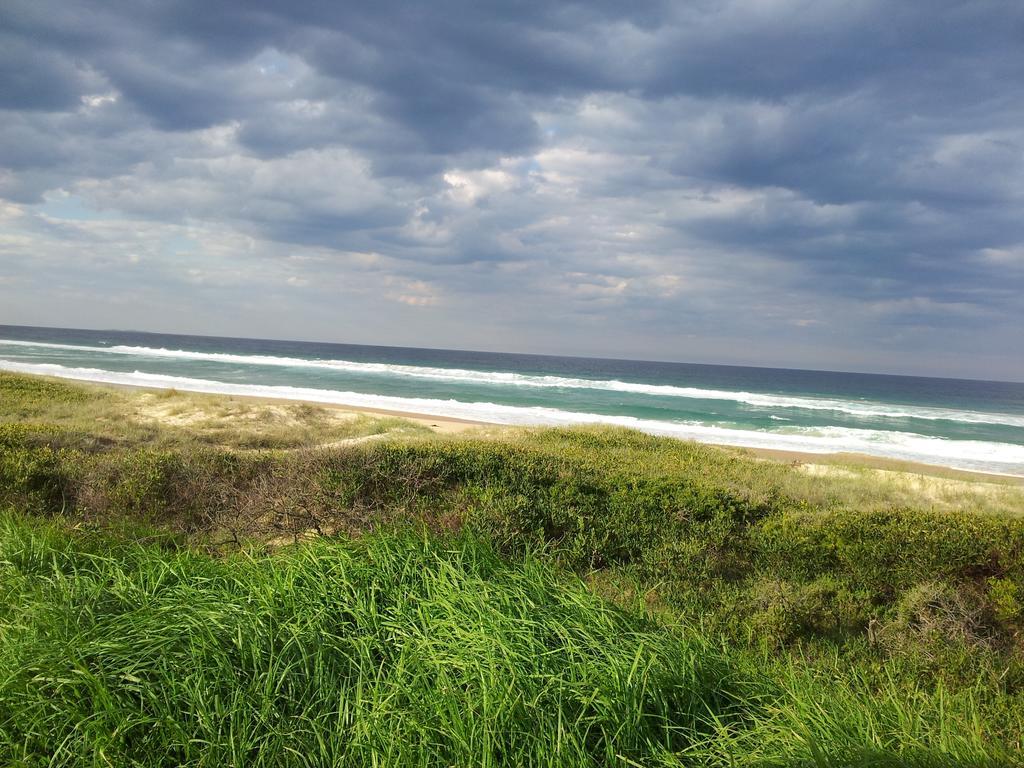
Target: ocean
(965, 424)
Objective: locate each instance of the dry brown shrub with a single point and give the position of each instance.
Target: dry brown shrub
(933, 613)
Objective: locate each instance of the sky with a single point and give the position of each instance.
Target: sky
(824, 184)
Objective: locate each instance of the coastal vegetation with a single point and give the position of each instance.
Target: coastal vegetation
(190, 580)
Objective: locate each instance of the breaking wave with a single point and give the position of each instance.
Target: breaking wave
(857, 408)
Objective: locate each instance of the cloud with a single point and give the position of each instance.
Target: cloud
(827, 185)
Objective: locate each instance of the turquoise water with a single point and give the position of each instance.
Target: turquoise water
(966, 424)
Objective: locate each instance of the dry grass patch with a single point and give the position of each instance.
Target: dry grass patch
(169, 418)
(870, 486)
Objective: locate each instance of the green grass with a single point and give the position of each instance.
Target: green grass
(775, 618)
(402, 650)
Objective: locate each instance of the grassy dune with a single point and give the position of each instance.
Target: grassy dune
(169, 418)
(261, 592)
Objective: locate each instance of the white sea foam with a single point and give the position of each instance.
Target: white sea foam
(861, 409)
(1006, 458)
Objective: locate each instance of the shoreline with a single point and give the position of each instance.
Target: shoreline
(446, 425)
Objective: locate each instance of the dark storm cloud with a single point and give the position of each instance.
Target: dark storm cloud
(25, 67)
(632, 172)
(780, 49)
